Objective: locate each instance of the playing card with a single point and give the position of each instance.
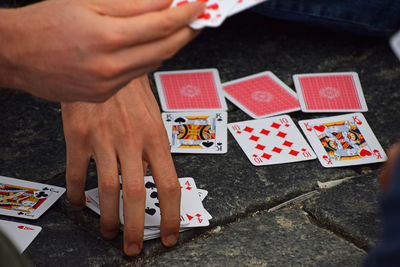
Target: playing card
(271, 141)
(395, 43)
(343, 140)
(215, 13)
(196, 132)
(190, 90)
(192, 206)
(261, 95)
(241, 5)
(20, 234)
(24, 199)
(330, 92)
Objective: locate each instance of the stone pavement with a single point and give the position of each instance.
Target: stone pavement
(334, 227)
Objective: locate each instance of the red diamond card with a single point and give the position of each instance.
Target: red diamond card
(261, 95)
(190, 90)
(330, 92)
(272, 140)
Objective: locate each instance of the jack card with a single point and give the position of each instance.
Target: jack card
(270, 141)
(330, 92)
(261, 95)
(24, 199)
(343, 140)
(197, 132)
(190, 90)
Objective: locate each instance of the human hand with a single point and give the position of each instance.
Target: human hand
(86, 50)
(126, 129)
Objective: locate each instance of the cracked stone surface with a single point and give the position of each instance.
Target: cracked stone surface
(32, 148)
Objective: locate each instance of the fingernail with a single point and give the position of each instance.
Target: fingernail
(133, 249)
(171, 239)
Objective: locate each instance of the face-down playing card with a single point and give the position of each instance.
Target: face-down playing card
(271, 141)
(196, 132)
(330, 92)
(261, 95)
(24, 199)
(343, 140)
(190, 90)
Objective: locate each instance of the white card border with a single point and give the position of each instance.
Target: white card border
(395, 44)
(319, 150)
(249, 112)
(218, 85)
(357, 83)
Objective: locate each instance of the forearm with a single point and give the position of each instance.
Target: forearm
(8, 38)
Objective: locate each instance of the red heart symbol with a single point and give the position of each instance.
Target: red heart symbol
(25, 227)
(319, 128)
(364, 153)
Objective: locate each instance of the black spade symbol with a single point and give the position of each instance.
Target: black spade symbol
(168, 119)
(45, 188)
(219, 119)
(220, 144)
(150, 211)
(157, 204)
(180, 119)
(154, 195)
(150, 185)
(207, 144)
(21, 213)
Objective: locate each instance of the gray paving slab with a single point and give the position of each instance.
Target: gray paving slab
(350, 209)
(282, 238)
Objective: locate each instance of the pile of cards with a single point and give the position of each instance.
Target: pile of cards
(27, 200)
(218, 10)
(193, 213)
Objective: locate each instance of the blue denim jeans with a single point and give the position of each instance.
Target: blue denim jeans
(370, 17)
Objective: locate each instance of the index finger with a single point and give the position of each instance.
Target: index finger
(154, 25)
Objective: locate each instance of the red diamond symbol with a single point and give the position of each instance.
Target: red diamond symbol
(188, 188)
(277, 149)
(254, 138)
(281, 134)
(266, 132)
(198, 215)
(287, 143)
(266, 156)
(275, 125)
(261, 147)
(294, 152)
(189, 217)
(248, 129)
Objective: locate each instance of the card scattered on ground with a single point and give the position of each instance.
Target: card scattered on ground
(343, 140)
(261, 95)
(330, 92)
(270, 141)
(197, 132)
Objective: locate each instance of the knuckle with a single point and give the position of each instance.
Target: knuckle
(109, 186)
(135, 190)
(170, 189)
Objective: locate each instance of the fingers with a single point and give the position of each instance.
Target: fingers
(156, 25)
(122, 8)
(77, 163)
(169, 193)
(134, 197)
(385, 177)
(109, 190)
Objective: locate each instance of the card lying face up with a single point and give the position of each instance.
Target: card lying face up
(197, 132)
(343, 140)
(26, 199)
(190, 90)
(261, 95)
(270, 141)
(330, 92)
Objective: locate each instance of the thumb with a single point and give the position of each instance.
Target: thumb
(128, 8)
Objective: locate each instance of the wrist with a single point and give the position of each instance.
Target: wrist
(9, 29)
